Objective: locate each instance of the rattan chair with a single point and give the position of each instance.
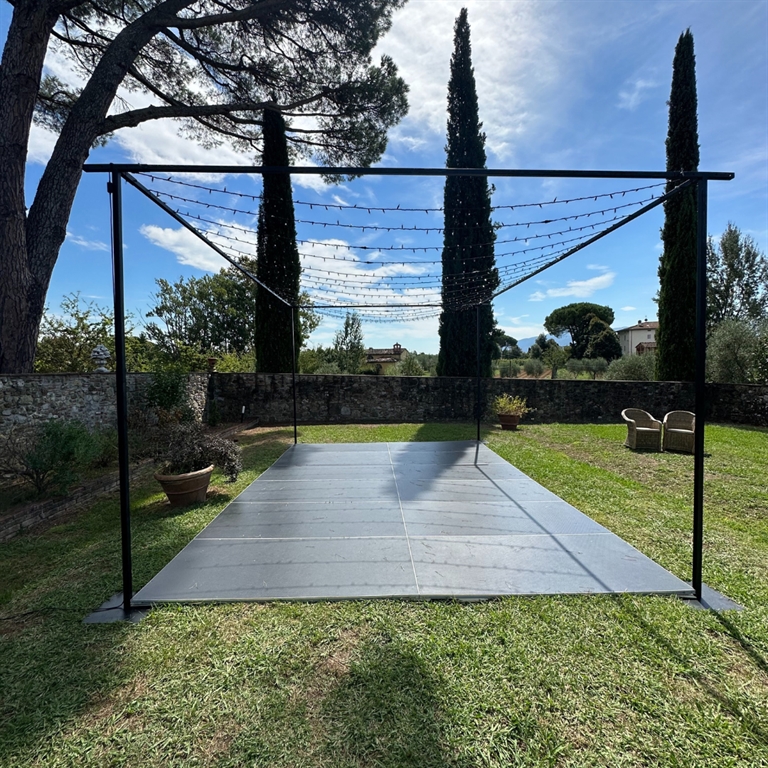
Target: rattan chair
(643, 431)
(679, 430)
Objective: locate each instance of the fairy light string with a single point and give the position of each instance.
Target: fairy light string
(384, 272)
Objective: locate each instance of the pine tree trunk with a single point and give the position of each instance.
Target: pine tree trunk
(21, 304)
(30, 248)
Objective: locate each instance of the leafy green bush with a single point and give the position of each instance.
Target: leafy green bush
(506, 405)
(105, 447)
(735, 353)
(595, 365)
(189, 448)
(533, 367)
(50, 457)
(633, 368)
(408, 367)
(167, 393)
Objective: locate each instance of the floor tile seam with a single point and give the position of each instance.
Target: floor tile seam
(405, 525)
(303, 538)
(458, 536)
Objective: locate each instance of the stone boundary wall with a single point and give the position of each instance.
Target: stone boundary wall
(348, 399)
(90, 398)
(31, 399)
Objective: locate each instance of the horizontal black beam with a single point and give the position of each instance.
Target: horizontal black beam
(355, 171)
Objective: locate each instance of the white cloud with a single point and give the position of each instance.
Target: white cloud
(517, 53)
(635, 92)
(598, 267)
(41, 144)
(580, 289)
(188, 248)
(583, 289)
(90, 245)
(628, 309)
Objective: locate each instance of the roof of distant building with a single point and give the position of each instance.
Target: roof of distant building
(391, 354)
(642, 325)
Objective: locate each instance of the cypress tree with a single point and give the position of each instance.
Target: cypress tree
(278, 264)
(676, 337)
(469, 272)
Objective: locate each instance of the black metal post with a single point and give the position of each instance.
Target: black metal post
(699, 385)
(121, 385)
(293, 373)
(477, 404)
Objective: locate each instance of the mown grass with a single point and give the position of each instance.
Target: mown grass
(560, 681)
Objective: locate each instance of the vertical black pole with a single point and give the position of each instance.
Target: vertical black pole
(293, 373)
(121, 385)
(700, 387)
(477, 405)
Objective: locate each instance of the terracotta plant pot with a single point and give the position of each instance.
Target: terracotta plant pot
(509, 420)
(186, 489)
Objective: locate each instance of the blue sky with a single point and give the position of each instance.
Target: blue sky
(571, 84)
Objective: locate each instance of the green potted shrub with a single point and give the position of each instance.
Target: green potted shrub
(510, 410)
(188, 454)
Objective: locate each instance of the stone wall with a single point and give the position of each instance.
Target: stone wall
(31, 399)
(348, 399)
(90, 398)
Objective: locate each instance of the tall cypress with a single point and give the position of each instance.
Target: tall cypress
(278, 264)
(469, 271)
(676, 337)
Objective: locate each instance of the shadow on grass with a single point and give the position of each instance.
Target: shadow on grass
(440, 431)
(730, 703)
(385, 711)
(758, 659)
(53, 666)
(393, 710)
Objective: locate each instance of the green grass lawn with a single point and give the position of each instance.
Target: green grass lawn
(547, 681)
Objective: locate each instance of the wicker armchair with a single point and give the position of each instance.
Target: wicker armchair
(643, 431)
(679, 429)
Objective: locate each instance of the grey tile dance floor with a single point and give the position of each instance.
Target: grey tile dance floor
(414, 520)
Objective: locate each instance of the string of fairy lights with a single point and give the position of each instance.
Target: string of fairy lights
(383, 261)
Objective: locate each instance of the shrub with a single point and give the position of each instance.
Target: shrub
(734, 353)
(633, 368)
(408, 367)
(509, 369)
(328, 369)
(595, 365)
(507, 405)
(575, 366)
(167, 393)
(533, 367)
(189, 448)
(50, 457)
(105, 447)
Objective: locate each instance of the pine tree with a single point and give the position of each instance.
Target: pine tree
(676, 337)
(469, 272)
(278, 264)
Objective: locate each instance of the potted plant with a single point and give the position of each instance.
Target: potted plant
(510, 409)
(189, 454)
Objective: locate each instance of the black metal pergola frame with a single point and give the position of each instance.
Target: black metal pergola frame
(119, 171)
